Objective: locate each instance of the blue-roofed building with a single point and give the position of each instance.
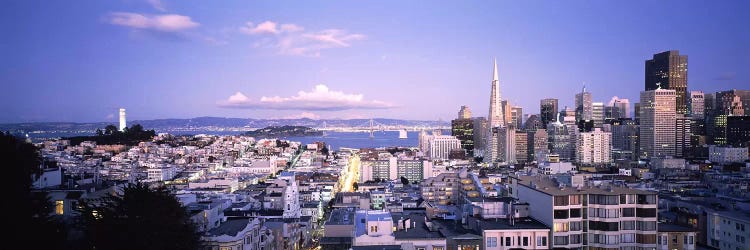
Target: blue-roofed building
(373, 228)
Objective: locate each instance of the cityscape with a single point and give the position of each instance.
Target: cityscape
(137, 142)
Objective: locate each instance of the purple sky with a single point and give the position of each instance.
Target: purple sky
(82, 60)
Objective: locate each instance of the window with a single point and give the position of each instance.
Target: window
(575, 199)
(561, 227)
(575, 213)
(561, 214)
(627, 238)
(491, 241)
(628, 212)
(59, 207)
(645, 212)
(541, 241)
(627, 225)
(646, 199)
(225, 248)
(507, 241)
(373, 229)
(690, 240)
(575, 239)
(575, 226)
(561, 240)
(561, 200)
(525, 241)
(646, 225)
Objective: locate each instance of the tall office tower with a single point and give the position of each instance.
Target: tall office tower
(495, 118)
(123, 123)
(593, 147)
(507, 112)
(709, 104)
(597, 114)
(516, 117)
(590, 217)
(637, 112)
(682, 135)
(464, 113)
(658, 119)
(442, 145)
(537, 143)
(480, 135)
(625, 139)
(463, 129)
(669, 70)
(506, 145)
(522, 146)
(725, 104)
(696, 105)
(584, 106)
(560, 138)
(738, 131)
(620, 108)
(533, 123)
(548, 110)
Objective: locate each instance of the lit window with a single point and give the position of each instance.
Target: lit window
(59, 207)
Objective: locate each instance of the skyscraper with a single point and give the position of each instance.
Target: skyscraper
(516, 117)
(495, 118)
(669, 70)
(123, 124)
(464, 113)
(597, 114)
(658, 122)
(593, 147)
(584, 106)
(620, 108)
(696, 105)
(463, 129)
(548, 110)
(480, 135)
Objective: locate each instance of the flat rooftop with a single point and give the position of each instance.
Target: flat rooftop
(548, 185)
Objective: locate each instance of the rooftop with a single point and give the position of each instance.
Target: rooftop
(230, 227)
(547, 185)
(504, 224)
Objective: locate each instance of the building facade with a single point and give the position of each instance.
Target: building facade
(669, 70)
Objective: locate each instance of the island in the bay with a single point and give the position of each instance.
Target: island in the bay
(284, 131)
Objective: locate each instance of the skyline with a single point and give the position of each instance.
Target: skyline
(169, 59)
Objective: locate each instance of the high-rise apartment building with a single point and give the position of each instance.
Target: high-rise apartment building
(522, 146)
(657, 125)
(440, 146)
(669, 70)
(587, 217)
(548, 110)
(593, 147)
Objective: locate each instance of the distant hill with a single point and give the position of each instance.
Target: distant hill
(283, 131)
(162, 125)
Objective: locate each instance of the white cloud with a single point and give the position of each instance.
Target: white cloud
(292, 39)
(157, 5)
(302, 115)
(167, 23)
(321, 98)
(264, 27)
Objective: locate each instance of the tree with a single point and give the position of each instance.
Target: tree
(139, 218)
(356, 186)
(404, 181)
(30, 213)
(110, 129)
(324, 151)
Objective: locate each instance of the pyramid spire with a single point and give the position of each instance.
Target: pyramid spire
(494, 70)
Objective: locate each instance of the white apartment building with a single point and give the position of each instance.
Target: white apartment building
(594, 147)
(590, 217)
(728, 230)
(440, 146)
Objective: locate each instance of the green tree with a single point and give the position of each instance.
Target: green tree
(110, 129)
(29, 213)
(355, 186)
(139, 218)
(404, 181)
(324, 151)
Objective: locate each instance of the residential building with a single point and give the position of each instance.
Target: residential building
(726, 155)
(593, 147)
